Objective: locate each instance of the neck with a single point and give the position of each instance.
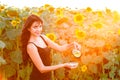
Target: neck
(33, 38)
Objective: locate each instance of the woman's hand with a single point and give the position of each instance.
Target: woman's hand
(77, 46)
(74, 45)
(71, 65)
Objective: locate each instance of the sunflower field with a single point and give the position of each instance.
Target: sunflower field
(97, 31)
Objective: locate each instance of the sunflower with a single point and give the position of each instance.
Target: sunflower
(97, 25)
(46, 6)
(80, 34)
(118, 31)
(27, 9)
(78, 18)
(12, 13)
(2, 7)
(116, 16)
(108, 46)
(108, 11)
(88, 9)
(62, 20)
(35, 13)
(0, 31)
(100, 14)
(59, 12)
(18, 20)
(51, 9)
(40, 11)
(83, 68)
(24, 19)
(51, 36)
(14, 23)
(0, 10)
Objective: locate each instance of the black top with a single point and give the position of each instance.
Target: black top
(46, 59)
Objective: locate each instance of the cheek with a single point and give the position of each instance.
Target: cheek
(31, 30)
(41, 29)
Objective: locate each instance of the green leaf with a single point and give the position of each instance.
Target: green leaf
(89, 78)
(9, 45)
(93, 68)
(13, 33)
(60, 73)
(96, 59)
(57, 58)
(25, 72)
(86, 59)
(16, 56)
(74, 74)
(103, 77)
(108, 65)
(112, 74)
(119, 72)
(113, 68)
(2, 25)
(2, 44)
(10, 70)
(2, 61)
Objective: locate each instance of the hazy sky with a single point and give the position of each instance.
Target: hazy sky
(94, 4)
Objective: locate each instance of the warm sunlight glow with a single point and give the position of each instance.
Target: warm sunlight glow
(73, 4)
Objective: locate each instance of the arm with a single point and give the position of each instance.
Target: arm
(57, 47)
(34, 55)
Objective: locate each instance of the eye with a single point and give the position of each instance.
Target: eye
(40, 25)
(35, 26)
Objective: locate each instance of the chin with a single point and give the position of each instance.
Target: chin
(37, 35)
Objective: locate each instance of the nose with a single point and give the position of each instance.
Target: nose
(39, 29)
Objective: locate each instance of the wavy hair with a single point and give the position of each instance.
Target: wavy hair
(25, 35)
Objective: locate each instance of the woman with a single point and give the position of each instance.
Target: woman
(36, 47)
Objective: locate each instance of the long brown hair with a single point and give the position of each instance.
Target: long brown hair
(25, 35)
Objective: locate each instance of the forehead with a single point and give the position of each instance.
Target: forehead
(36, 23)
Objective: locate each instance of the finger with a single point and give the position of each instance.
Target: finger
(77, 46)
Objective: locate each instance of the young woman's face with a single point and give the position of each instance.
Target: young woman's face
(36, 29)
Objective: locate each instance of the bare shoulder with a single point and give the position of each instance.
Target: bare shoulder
(31, 46)
(43, 35)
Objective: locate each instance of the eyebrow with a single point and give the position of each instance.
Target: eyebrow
(41, 25)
